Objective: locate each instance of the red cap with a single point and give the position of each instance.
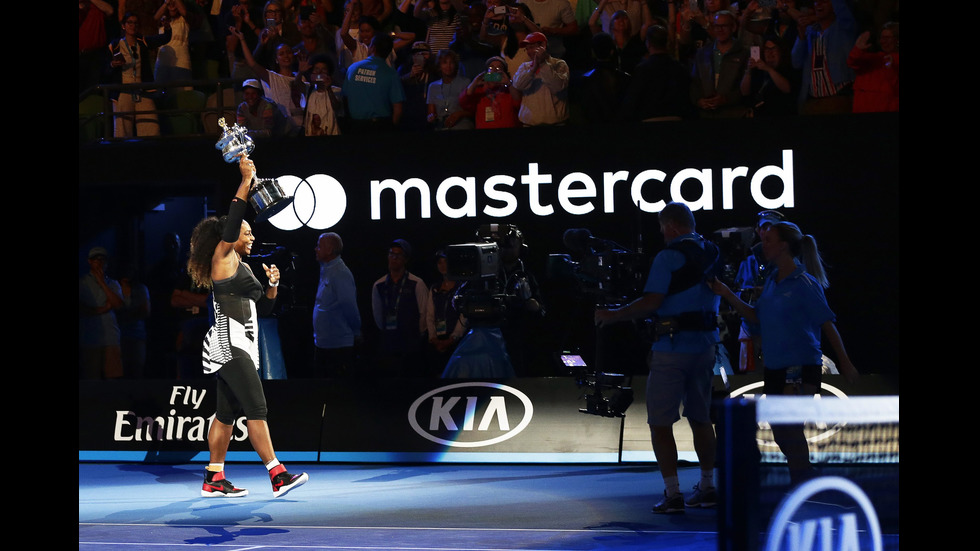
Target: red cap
(534, 38)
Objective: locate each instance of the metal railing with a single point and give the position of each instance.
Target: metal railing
(96, 121)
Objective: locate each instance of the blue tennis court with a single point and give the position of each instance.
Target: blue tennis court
(123, 506)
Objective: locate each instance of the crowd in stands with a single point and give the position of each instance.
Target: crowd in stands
(334, 67)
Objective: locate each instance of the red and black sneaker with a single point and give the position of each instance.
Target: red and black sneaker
(283, 482)
(215, 485)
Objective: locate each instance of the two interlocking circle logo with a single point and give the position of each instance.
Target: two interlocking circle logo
(319, 202)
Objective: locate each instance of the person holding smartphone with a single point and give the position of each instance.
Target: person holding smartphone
(491, 97)
(769, 83)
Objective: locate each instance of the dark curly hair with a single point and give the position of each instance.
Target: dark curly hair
(204, 240)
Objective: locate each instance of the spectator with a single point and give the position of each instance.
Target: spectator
(416, 75)
(780, 25)
(144, 10)
(404, 18)
(543, 81)
(442, 19)
(444, 110)
(876, 72)
(173, 14)
(277, 29)
(629, 48)
(242, 22)
(131, 64)
(355, 44)
(316, 38)
(260, 115)
(373, 92)
(99, 297)
(166, 71)
(715, 84)
(495, 23)
(821, 49)
(520, 24)
(768, 84)
(200, 38)
(491, 97)
(694, 26)
(659, 88)
(281, 85)
(350, 45)
(473, 52)
(380, 10)
(602, 17)
(556, 20)
(92, 41)
(322, 103)
(599, 93)
(399, 301)
(336, 318)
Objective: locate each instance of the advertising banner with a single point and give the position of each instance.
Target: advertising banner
(406, 420)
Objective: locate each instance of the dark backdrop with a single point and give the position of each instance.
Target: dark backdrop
(845, 182)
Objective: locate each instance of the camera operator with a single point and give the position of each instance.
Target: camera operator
(682, 358)
(751, 275)
(525, 312)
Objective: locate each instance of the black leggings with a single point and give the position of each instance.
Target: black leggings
(240, 390)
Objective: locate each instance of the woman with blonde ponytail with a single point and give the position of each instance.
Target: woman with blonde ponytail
(793, 315)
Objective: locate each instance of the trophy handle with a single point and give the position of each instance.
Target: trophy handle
(265, 195)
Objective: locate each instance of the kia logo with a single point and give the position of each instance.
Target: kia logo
(798, 525)
(471, 415)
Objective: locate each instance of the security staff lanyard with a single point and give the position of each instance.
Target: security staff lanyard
(391, 313)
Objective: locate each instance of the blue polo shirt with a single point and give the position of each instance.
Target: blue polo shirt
(791, 313)
(698, 298)
(371, 88)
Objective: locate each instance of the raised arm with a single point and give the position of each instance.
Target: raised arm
(257, 67)
(224, 263)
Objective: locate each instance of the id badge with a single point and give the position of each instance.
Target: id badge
(391, 321)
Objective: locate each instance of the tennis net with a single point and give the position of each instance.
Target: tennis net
(833, 461)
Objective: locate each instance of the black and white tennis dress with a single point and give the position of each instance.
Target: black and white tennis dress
(234, 334)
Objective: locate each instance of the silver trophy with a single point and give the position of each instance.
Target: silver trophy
(266, 196)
